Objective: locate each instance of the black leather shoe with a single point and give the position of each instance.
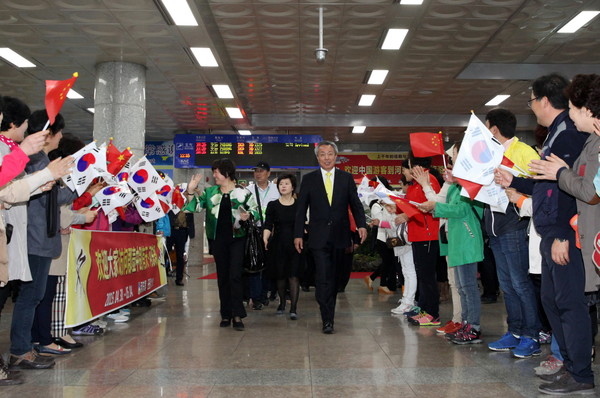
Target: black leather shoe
(225, 323)
(179, 283)
(63, 343)
(566, 385)
(30, 360)
(488, 299)
(238, 325)
(327, 327)
(555, 376)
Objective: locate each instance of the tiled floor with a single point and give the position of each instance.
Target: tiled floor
(176, 349)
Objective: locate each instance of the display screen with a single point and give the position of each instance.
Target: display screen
(280, 151)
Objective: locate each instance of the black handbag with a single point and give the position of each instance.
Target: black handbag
(399, 239)
(254, 250)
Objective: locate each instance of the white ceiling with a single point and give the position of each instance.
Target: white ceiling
(457, 56)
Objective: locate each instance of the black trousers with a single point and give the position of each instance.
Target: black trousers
(179, 238)
(42, 322)
(229, 258)
(387, 269)
(487, 272)
(563, 297)
(425, 255)
(326, 260)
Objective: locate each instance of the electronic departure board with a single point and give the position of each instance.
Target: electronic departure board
(280, 151)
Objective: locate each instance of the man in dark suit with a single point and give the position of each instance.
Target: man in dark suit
(327, 193)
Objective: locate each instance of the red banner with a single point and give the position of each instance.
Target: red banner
(107, 270)
(387, 164)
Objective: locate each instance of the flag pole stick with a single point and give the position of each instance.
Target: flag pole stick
(444, 159)
(46, 125)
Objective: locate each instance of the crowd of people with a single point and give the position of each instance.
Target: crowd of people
(542, 248)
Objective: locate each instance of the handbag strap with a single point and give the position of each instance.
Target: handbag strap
(259, 206)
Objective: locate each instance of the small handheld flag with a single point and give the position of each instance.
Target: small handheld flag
(56, 94)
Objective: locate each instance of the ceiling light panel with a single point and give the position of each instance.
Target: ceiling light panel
(204, 56)
(15, 59)
(234, 113)
(497, 100)
(579, 21)
(393, 39)
(244, 132)
(377, 76)
(72, 94)
(359, 129)
(222, 91)
(180, 12)
(366, 100)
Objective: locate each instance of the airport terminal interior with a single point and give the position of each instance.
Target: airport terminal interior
(175, 348)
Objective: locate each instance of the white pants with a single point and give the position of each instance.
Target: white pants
(404, 254)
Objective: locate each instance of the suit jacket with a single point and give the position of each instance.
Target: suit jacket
(328, 223)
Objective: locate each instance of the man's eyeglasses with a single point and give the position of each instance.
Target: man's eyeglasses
(531, 100)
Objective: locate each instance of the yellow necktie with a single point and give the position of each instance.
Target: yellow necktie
(328, 187)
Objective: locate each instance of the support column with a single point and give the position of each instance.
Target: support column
(120, 105)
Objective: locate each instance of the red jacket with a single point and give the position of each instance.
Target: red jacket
(423, 226)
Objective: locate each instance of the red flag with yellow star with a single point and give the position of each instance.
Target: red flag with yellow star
(56, 94)
(426, 144)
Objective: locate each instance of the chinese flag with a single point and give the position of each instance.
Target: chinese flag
(56, 94)
(507, 162)
(165, 206)
(373, 184)
(178, 199)
(405, 207)
(472, 188)
(426, 144)
(115, 159)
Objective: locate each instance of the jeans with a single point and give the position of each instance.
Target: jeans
(511, 252)
(30, 295)
(465, 277)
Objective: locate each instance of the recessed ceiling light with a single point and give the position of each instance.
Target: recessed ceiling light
(91, 110)
(234, 113)
(204, 56)
(393, 39)
(377, 76)
(222, 90)
(245, 132)
(411, 2)
(359, 129)
(366, 100)
(180, 12)
(72, 94)
(15, 59)
(497, 100)
(576, 23)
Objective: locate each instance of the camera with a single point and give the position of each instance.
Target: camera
(321, 54)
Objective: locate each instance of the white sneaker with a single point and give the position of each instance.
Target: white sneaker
(100, 323)
(118, 318)
(125, 312)
(401, 309)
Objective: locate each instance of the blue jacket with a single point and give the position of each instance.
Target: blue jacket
(553, 207)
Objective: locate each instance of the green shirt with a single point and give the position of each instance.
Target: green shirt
(210, 200)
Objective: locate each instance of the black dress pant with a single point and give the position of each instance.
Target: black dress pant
(487, 272)
(326, 260)
(566, 306)
(229, 258)
(425, 256)
(179, 238)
